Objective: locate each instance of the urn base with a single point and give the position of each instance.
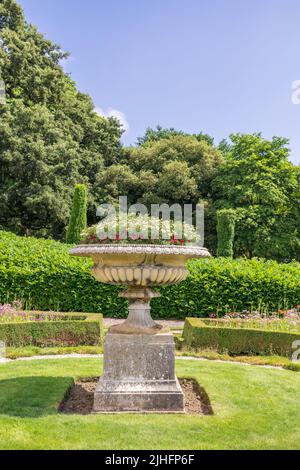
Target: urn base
(139, 375)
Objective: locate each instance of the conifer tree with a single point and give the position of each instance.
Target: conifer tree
(78, 219)
(226, 231)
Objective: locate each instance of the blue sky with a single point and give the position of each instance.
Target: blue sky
(217, 66)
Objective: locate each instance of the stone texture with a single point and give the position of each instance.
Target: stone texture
(139, 369)
(139, 321)
(140, 265)
(139, 375)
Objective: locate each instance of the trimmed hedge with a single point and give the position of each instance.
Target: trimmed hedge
(72, 330)
(221, 285)
(41, 273)
(237, 341)
(45, 277)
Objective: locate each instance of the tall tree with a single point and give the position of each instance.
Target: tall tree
(50, 135)
(258, 181)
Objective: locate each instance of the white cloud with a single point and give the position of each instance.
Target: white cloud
(116, 114)
(67, 63)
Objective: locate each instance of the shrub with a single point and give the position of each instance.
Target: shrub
(226, 230)
(45, 277)
(78, 219)
(219, 286)
(237, 341)
(72, 330)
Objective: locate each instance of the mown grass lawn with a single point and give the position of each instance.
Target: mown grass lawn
(255, 408)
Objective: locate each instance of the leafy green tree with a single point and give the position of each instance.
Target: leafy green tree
(259, 182)
(179, 169)
(160, 133)
(226, 230)
(38, 168)
(78, 219)
(118, 180)
(50, 136)
(198, 161)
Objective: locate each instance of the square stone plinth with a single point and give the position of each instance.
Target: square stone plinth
(139, 375)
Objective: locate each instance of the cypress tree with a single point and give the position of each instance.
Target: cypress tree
(226, 232)
(78, 219)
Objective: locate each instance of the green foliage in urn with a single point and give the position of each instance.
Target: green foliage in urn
(78, 219)
(226, 229)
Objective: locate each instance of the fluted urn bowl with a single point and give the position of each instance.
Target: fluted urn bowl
(140, 267)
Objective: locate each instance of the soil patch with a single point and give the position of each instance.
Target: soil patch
(80, 397)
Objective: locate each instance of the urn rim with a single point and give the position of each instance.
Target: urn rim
(189, 251)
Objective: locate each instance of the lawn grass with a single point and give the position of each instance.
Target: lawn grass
(255, 408)
(275, 361)
(30, 351)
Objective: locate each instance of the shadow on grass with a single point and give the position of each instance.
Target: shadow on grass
(32, 397)
(35, 397)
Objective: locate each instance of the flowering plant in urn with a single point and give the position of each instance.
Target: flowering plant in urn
(140, 252)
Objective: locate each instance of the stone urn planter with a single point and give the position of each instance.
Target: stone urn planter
(139, 357)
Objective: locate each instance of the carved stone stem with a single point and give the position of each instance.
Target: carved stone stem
(139, 320)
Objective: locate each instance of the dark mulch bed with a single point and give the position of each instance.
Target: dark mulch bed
(80, 398)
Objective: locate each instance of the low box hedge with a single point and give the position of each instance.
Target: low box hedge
(237, 341)
(43, 275)
(70, 330)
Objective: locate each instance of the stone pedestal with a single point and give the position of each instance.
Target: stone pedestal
(139, 375)
(139, 360)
